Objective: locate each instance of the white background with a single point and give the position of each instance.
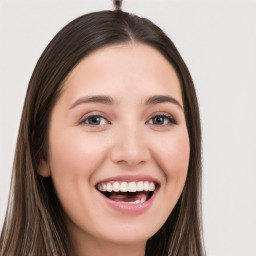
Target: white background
(217, 40)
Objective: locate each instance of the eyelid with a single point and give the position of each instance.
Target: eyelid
(173, 120)
(94, 113)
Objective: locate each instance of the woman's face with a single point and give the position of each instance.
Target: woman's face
(118, 126)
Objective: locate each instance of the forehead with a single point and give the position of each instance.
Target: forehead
(130, 68)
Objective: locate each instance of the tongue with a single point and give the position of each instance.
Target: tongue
(129, 197)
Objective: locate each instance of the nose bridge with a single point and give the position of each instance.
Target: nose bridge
(130, 145)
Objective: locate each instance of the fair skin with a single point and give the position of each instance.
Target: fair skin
(127, 138)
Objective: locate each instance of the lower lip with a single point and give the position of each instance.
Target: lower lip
(129, 208)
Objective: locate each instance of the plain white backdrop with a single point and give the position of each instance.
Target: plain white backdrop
(217, 40)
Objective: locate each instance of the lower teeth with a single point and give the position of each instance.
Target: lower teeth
(135, 202)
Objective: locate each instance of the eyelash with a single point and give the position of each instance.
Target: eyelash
(83, 122)
(171, 120)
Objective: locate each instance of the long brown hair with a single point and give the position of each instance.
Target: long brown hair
(34, 223)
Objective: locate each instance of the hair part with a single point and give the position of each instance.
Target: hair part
(34, 223)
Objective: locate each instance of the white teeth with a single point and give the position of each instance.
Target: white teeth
(127, 186)
(132, 187)
(104, 187)
(152, 186)
(146, 185)
(143, 199)
(116, 186)
(140, 186)
(135, 202)
(109, 187)
(124, 187)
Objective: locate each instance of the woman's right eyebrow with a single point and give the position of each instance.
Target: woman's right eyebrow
(104, 99)
(93, 99)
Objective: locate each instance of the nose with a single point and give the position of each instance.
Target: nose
(130, 147)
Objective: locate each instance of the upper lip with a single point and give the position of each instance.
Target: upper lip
(130, 178)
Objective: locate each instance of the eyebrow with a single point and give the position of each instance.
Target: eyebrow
(157, 99)
(93, 99)
(103, 99)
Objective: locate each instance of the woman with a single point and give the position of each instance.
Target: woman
(108, 157)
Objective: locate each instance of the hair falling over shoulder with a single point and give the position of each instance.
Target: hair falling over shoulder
(34, 223)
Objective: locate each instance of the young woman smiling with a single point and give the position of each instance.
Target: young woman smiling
(108, 157)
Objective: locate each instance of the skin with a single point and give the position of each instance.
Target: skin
(126, 142)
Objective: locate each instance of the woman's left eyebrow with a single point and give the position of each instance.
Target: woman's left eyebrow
(157, 99)
(104, 99)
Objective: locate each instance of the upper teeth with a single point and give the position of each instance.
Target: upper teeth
(126, 186)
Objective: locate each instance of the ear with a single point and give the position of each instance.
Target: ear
(44, 169)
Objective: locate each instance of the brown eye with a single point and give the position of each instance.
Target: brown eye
(162, 120)
(95, 120)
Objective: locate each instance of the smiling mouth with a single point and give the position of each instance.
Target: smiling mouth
(128, 192)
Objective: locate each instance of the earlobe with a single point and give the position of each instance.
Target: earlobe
(44, 169)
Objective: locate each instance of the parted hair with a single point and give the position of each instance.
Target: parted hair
(34, 224)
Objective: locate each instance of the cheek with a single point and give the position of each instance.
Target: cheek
(73, 159)
(173, 157)
(171, 154)
(75, 154)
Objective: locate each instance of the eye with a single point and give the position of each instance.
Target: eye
(162, 119)
(95, 120)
